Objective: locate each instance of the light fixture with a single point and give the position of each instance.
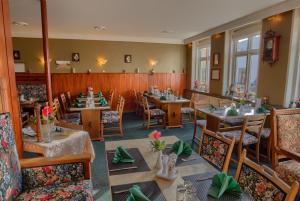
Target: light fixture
(20, 24)
(153, 62)
(100, 28)
(101, 61)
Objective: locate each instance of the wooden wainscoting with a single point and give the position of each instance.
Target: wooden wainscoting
(122, 83)
(30, 78)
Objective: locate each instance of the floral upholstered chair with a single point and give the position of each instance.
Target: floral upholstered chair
(65, 178)
(216, 149)
(286, 140)
(113, 119)
(262, 183)
(250, 133)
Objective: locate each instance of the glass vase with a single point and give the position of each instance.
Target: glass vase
(46, 132)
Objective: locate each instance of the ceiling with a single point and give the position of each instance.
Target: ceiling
(130, 20)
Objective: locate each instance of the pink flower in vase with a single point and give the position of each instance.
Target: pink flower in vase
(46, 111)
(155, 135)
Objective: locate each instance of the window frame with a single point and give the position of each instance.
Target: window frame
(248, 53)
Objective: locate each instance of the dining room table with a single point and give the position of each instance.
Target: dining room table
(91, 116)
(64, 141)
(193, 170)
(173, 107)
(215, 116)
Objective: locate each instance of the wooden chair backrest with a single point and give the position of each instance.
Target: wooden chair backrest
(110, 97)
(222, 150)
(145, 104)
(63, 102)
(56, 108)
(285, 125)
(120, 106)
(69, 98)
(251, 176)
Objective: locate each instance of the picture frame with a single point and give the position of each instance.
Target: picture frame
(215, 74)
(127, 58)
(17, 55)
(216, 59)
(75, 57)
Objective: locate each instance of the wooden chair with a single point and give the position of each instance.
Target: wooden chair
(113, 117)
(286, 144)
(27, 179)
(64, 104)
(110, 97)
(188, 110)
(216, 149)
(66, 118)
(69, 99)
(152, 114)
(262, 183)
(198, 123)
(249, 134)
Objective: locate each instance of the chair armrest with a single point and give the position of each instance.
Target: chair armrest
(292, 155)
(42, 161)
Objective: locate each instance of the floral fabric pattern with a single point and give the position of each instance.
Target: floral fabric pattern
(258, 187)
(66, 191)
(289, 171)
(187, 110)
(110, 117)
(248, 138)
(37, 91)
(214, 150)
(265, 133)
(10, 171)
(289, 132)
(156, 112)
(52, 175)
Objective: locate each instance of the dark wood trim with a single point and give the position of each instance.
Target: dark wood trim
(7, 75)
(30, 78)
(46, 49)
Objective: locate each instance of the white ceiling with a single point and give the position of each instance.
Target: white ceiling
(130, 20)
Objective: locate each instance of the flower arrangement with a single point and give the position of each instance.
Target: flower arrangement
(232, 111)
(156, 143)
(47, 114)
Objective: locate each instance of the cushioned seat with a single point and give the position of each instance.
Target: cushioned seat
(187, 110)
(201, 122)
(156, 112)
(247, 140)
(110, 117)
(151, 105)
(265, 133)
(234, 122)
(289, 171)
(64, 191)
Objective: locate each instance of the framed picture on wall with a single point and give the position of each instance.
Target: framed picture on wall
(215, 74)
(216, 59)
(75, 57)
(17, 55)
(127, 58)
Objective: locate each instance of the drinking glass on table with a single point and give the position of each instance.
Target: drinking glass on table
(180, 191)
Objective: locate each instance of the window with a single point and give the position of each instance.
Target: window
(202, 67)
(245, 63)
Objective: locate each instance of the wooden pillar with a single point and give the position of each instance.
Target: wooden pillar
(8, 88)
(46, 49)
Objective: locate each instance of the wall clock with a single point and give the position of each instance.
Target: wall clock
(271, 47)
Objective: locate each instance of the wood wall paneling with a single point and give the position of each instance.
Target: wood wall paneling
(123, 83)
(9, 97)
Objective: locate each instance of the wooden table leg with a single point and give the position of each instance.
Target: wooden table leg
(174, 116)
(213, 123)
(91, 123)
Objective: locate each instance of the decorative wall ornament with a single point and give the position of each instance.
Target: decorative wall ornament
(17, 55)
(128, 58)
(216, 59)
(75, 57)
(63, 64)
(271, 47)
(215, 74)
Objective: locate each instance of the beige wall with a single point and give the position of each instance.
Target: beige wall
(217, 46)
(272, 79)
(189, 55)
(169, 56)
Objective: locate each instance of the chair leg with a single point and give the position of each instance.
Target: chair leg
(121, 128)
(148, 125)
(164, 121)
(195, 131)
(102, 130)
(257, 152)
(269, 149)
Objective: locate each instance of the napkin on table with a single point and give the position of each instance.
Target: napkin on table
(135, 194)
(222, 183)
(122, 155)
(181, 147)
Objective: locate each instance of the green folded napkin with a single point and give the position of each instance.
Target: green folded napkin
(163, 98)
(81, 94)
(181, 147)
(102, 101)
(78, 100)
(222, 183)
(78, 104)
(232, 112)
(122, 155)
(261, 110)
(135, 194)
(100, 94)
